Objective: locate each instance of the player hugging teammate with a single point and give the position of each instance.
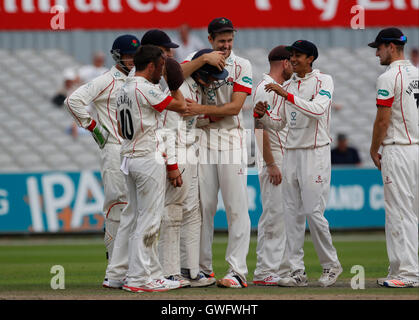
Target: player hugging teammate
(171, 137)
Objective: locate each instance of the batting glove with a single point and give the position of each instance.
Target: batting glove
(99, 133)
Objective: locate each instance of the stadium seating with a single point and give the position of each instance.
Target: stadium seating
(35, 135)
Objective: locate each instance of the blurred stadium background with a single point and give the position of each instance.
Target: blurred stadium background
(49, 173)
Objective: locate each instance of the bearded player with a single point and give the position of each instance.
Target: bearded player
(396, 130)
(271, 239)
(101, 94)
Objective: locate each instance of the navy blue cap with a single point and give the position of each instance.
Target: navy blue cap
(158, 38)
(209, 69)
(126, 44)
(220, 25)
(388, 35)
(306, 47)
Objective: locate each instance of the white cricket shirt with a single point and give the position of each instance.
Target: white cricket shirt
(139, 104)
(307, 111)
(397, 88)
(100, 93)
(275, 102)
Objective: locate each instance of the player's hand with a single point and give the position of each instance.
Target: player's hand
(275, 176)
(376, 158)
(272, 87)
(175, 177)
(216, 59)
(260, 109)
(99, 133)
(192, 108)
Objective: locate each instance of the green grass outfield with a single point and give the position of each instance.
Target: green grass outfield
(26, 271)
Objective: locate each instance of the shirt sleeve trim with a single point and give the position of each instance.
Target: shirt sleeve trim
(163, 105)
(385, 103)
(239, 88)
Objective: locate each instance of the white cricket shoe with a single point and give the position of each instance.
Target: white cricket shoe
(298, 278)
(231, 281)
(132, 289)
(202, 281)
(329, 276)
(401, 283)
(271, 280)
(156, 285)
(112, 284)
(183, 281)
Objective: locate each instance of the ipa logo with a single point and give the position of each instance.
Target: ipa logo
(58, 281)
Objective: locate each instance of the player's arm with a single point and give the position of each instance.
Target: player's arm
(379, 132)
(260, 112)
(173, 173)
(242, 87)
(77, 104)
(178, 103)
(314, 108)
(215, 58)
(229, 109)
(78, 101)
(385, 98)
(119, 127)
(264, 145)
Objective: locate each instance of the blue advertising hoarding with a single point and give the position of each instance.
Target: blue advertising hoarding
(72, 201)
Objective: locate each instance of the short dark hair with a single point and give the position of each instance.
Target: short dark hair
(146, 54)
(399, 47)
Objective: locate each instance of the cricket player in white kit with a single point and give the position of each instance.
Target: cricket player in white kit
(271, 239)
(307, 166)
(101, 94)
(223, 164)
(396, 130)
(179, 242)
(134, 265)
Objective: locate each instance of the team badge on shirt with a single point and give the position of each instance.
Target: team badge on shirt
(383, 93)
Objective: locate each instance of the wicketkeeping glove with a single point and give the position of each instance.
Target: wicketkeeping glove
(174, 74)
(99, 133)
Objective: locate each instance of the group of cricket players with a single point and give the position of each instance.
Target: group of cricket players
(171, 138)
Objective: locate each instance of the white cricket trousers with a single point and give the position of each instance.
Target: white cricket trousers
(181, 224)
(220, 170)
(135, 250)
(115, 192)
(271, 238)
(399, 169)
(306, 185)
